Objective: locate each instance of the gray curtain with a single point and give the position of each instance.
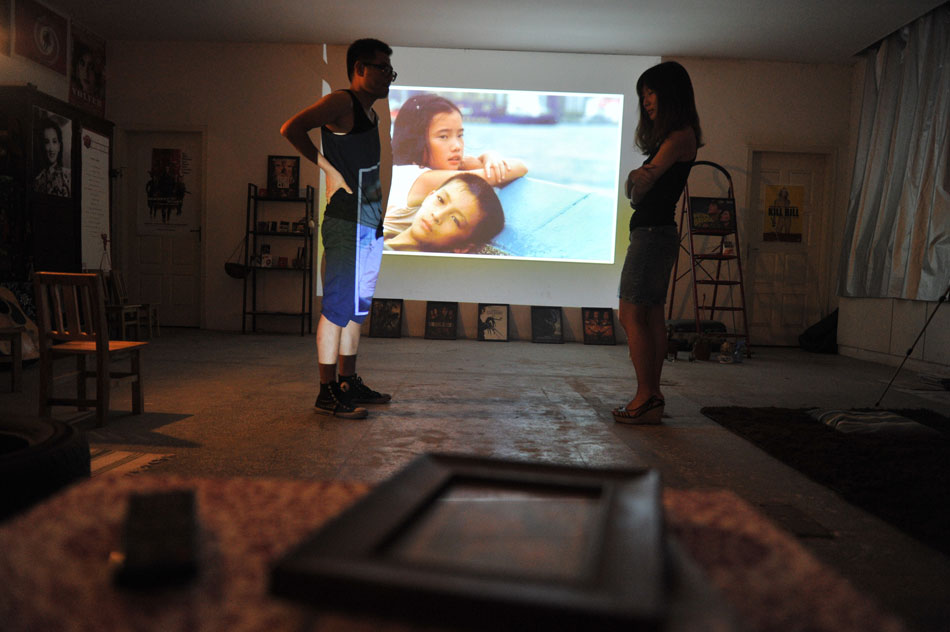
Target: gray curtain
(897, 237)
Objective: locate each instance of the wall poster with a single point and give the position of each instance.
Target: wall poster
(170, 178)
(783, 221)
(52, 153)
(40, 35)
(87, 85)
(95, 200)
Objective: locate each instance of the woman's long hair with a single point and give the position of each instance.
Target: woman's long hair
(411, 127)
(675, 105)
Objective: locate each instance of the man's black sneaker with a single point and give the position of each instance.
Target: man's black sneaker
(335, 400)
(361, 394)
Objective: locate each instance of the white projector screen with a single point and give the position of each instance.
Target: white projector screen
(553, 158)
(506, 279)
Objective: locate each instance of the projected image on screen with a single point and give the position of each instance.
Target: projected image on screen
(515, 174)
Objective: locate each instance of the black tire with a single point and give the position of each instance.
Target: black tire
(38, 457)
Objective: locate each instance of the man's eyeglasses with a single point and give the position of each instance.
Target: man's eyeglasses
(386, 68)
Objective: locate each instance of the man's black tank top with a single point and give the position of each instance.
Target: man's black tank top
(355, 155)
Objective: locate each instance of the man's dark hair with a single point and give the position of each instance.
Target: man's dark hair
(411, 127)
(363, 50)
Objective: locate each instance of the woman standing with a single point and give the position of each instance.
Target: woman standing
(670, 134)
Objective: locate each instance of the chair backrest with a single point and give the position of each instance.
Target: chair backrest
(70, 307)
(120, 293)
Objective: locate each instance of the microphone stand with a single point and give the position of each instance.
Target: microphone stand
(942, 298)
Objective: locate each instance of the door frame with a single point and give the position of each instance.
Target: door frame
(125, 222)
(826, 282)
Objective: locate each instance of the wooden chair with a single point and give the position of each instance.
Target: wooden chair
(71, 318)
(123, 315)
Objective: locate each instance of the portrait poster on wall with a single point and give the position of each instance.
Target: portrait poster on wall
(283, 176)
(598, 325)
(87, 86)
(386, 318)
(493, 321)
(165, 191)
(40, 35)
(546, 324)
(52, 153)
(783, 213)
(442, 320)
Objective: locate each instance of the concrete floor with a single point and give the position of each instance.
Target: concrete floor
(241, 405)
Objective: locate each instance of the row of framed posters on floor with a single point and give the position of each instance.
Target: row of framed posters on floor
(493, 318)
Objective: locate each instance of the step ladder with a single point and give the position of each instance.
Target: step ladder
(712, 267)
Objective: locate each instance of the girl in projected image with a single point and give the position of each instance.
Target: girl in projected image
(670, 134)
(429, 148)
(53, 178)
(460, 216)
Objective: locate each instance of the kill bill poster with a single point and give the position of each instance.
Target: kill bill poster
(783, 213)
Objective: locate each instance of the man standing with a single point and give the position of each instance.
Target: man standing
(352, 224)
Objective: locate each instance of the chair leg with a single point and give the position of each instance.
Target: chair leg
(138, 396)
(81, 380)
(46, 385)
(103, 386)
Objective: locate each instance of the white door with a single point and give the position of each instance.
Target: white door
(163, 216)
(787, 277)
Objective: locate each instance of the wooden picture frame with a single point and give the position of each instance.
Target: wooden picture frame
(570, 548)
(547, 324)
(385, 319)
(283, 176)
(714, 214)
(598, 325)
(493, 322)
(442, 320)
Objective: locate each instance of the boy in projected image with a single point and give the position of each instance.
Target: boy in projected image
(429, 148)
(352, 224)
(460, 216)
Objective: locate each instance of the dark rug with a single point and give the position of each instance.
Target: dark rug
(902, 480)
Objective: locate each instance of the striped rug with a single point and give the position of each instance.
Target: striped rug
(106, 461)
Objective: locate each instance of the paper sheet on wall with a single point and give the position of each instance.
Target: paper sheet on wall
(95, 200)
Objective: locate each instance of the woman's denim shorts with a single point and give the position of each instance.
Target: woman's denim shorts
(646, 270)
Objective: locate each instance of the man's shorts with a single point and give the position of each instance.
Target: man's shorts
(353, 255)
(646, 270)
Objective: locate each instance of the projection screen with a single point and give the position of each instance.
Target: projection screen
(551, 160)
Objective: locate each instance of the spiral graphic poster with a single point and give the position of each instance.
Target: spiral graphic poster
(40, 35)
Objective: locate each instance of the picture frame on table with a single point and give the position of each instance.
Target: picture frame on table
(493, 322)
(386, 318)
(442, 320)
(283, 176)
(547, 324)
(415, 546)
(598, 325)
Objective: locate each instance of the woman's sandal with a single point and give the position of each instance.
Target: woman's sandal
(650, 412)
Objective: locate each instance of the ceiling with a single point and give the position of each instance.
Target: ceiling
(810, 31)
